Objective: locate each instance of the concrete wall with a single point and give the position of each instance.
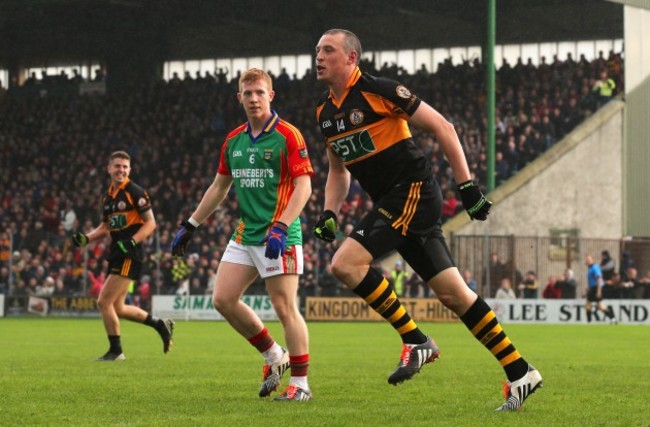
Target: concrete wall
(577, 184)
(637, 48)
(636, 151)
(636, 155)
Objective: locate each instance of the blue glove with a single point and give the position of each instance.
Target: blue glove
(182, 237)
(276, 240)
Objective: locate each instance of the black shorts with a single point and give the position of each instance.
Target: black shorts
(407, 220)
(125, 267)
(592, 295)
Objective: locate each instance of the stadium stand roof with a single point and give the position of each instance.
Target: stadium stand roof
(46, 32)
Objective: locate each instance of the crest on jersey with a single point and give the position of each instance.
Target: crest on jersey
(142, 201)
(302, 153)
(356, 117)
(268, 152)
(121, 205)
(403, 92)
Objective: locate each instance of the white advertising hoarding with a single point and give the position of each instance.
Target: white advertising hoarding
(199, 307)
(568, 311)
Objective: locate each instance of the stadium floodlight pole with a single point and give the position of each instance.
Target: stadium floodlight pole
(157, 261)
(85, 274)
(188, 300)
(491, 32)
(10, 280)
(491, 125)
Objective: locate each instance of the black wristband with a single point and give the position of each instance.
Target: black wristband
(465, 185)
(281, 225)
(188, 225)
(329, 214)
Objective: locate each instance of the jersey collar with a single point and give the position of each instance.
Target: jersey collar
(354, 78)
(268, 127)
(112, 190)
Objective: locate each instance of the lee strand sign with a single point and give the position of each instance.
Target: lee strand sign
(568, 311)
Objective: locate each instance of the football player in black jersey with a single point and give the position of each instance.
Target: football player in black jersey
(365, 121)
(128, 219)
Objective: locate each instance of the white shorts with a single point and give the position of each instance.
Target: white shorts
(290, 263)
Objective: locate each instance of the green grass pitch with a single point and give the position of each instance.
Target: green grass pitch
(594, 375)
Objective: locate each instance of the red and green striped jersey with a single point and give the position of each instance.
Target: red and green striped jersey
(263, 169)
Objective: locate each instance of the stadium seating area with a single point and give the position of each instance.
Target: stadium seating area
(53, 152)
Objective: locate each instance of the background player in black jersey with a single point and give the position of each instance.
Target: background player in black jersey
(365, 121)
(127, 217)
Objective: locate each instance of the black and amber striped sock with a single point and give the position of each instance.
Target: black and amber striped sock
(377, 292)
(483, 324)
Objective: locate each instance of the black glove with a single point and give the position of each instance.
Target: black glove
(276, 240)
(326, 226)
(79, 239)
(182, 237)
(127, 248)
(474, 202)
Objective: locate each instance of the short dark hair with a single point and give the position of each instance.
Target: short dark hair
(120, 154)
(350, 41)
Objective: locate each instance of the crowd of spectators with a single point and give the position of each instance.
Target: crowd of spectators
(54, 149)
(619, 282)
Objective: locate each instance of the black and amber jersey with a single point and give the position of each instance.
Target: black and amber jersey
(121, 209)
(368, 130)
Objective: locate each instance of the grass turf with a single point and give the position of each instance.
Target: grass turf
(593, 375)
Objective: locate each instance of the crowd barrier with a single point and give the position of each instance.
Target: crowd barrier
(199, 307)
(356, 309)
(49, 306)
(568, 311)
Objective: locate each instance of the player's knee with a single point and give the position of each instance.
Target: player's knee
(101, 303)
(218, 303)
(283, 312)
(337, 270)
(458, 302)
(342, 270)
(222, 304)
(448, 300)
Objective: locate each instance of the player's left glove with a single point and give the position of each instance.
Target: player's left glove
(127, 248)
(474, 202)
(325, 228)
(80, 240)
(182, 237)
(276, 240)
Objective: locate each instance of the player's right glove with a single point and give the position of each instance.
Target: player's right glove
(474, 202)
(80, 240)
(182, 237)
(325, 228)
(276, 240)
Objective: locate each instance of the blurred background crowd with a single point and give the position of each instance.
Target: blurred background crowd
(54, 150)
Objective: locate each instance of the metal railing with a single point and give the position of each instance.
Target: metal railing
(516, 255)
(545, 256)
